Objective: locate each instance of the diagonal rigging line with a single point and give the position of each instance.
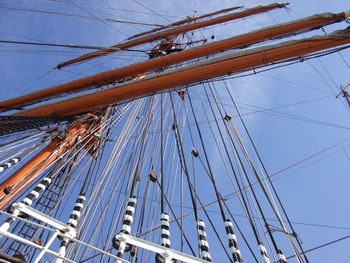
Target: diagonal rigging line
(310, 164)
(228, 103)
(345, 62)
(21, 36)
(280, 107)
(297, 117)
(104, 22)
(52, 44)
(330, 77)
(310, 157)
(308, 120)
(149, 9)
(295, 83)
(78, 16)
(323, 245)
(112, 8)
(326, 81)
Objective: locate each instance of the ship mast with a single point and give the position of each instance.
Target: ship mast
(211, 68)
(175, 31)
(22, 178)
(188, 20)
(240, 41)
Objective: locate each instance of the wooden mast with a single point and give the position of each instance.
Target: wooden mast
(181, 22)
(277, 31)
(228, 64)
(175, 31)
(22, 178)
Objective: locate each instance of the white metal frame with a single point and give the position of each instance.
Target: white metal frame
(165, 252)
(61, 229)
(66, 231)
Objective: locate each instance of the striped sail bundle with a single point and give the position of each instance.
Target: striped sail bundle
(281, 257)
(263, 253)
(76, 213)
(28, 200)
(9, 163)
(126, 227)
(232, 242)
(165, 236)
(165, 233)
(73, 222)
(37, 191)
(203, 242)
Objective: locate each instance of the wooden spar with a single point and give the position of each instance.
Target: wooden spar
(111, 76)
(188, 20)
(220, 66)
(174, 31)
(11, 187)
(22, 178)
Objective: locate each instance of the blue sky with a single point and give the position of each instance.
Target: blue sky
(313, 192)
